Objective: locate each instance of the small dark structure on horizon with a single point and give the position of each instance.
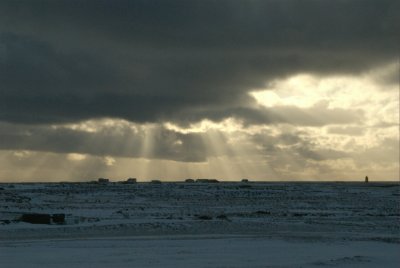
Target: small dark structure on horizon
(366, 179)
(131, 181)
(207, 180)
(189, 180)
(102, 180)
(155, 181)
(245, 180)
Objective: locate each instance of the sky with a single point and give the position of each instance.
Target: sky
(263, 90)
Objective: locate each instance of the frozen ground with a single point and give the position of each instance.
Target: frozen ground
(202, 225)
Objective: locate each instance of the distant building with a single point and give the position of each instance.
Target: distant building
(131, 181)
(189, 180)
(245, 180)
(156, 181)
(207, 181)
(103, 180)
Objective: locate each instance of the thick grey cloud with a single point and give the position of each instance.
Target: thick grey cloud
(294, 145)
(316, 115)
(156, 143)
(179, 61)
(351, 130)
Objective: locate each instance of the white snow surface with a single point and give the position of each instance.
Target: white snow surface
(202, 225)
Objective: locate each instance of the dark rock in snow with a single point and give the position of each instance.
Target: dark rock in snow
(58, 218)
(36, 218)
(222, 217)
(261, 212)
(204, 217)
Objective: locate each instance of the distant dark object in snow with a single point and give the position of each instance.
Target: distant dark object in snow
(207, 180)
(204, 217)
(366, 179)
(189, 180)
(102, 180)
(156, 181)
(262, 212)
(58, 218)
(38, 218)
(222, 217)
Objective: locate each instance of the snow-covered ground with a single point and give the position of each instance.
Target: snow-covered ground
(196, 252)
(202, 225)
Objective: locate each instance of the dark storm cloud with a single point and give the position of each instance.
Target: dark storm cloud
(181, 61)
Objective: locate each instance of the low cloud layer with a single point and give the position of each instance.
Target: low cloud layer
(117, 140)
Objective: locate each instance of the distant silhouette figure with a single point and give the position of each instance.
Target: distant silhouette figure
(366, 179)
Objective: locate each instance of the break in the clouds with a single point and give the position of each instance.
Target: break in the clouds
(281, 89)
